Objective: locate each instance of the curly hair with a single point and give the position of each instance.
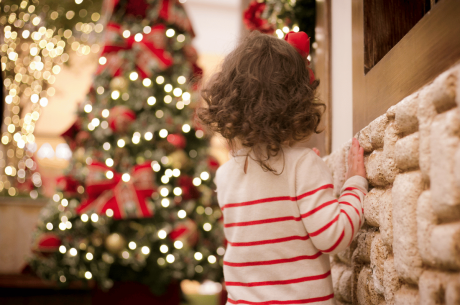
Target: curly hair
(262, 97)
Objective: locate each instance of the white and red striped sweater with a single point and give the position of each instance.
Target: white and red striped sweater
(280, 228)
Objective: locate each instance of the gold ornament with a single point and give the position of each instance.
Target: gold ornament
(115, 243)
(119, 83)
(178, 159)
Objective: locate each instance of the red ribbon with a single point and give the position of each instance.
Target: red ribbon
(301, 42)
(151, 56)
(126, 199)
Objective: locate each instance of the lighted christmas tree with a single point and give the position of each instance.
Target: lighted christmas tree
(136, 202)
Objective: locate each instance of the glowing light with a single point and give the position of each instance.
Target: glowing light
(186, 128)
(109, 212)
(121, 143)
(296, 28)
(180, 38)
(162, 234)
(163, 133)
(89, 256)
(62, 249)
(125, 254)
(170, 33)
(212, 259)
(126, 33)
(181, 80)
(177, 92)
(160, 80)
(165, 202)
(168, 173)
(147, 29)
(106, 146)
(84, 217)
(164, 179)
(43, 102)
(88, 108)
(151, 101)
(109, 162)
(133, 76)
(196, 181)
(181, 214)
(49, 226)
(170, 258)
(177, 191)
(126, 177)
(115, 94)
(146, 82)
(64, 202)
(168, 87)
(109, 174)
(145, 250)
(88, 275)
(168, 99)
(73, 252)
(176, 172)
(94, 217)
(186, 96)
(132, 245)
(155, 166)
(207, 227)
(178, 244)
(198, 256)
(105, 113)
(148, 136)
(62, 226)
(164, 192)
(221, 251)
(164, 249)
(138, 37)
(285, 29)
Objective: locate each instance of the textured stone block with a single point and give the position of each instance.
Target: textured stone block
(362, 253)
(336, 274)
(453, 291)
(407, 152)
(406, 190)
(442, 91)
(345, 256)
(381, 170)
(366, 293)
(406, 121)
(391, 282)
(426, 113)
(407, 296)
(379, 254)
(457, 168)
(372, 206)
(390, 139)
(364, 140)
(386, 219)
(445, 140)
(445, 245)
(426, 221)
(432, 286)
(345, 285)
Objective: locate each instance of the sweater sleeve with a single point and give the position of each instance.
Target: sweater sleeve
(331, 223)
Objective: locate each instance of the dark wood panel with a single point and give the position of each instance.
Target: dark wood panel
(430, 47)
(386, 22)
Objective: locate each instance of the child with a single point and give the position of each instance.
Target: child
(281, 218)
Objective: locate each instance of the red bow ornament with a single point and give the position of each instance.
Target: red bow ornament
(301, 42)
(125, 199)
(151, 55)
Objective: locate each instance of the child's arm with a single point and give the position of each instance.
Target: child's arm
(331, 223)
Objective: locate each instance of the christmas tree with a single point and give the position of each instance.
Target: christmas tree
(136, 202)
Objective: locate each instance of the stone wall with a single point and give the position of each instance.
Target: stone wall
(408, 251)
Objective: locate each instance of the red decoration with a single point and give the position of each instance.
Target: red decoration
(189, 191)
(125, 199)
(252, 18)
(301, 42)
(47, 243)
(70, 134)
(151, 56)
(67, 184)
(213, 163)
(177, 140)
(186, 232)
(120, 118)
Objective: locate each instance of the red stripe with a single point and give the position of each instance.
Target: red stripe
(336, 243)
(281, 198)
(268, 241)
(285, 282)
(356, 210)
(262, 221)
(352, 226)
(275, 261)
(276, 302)
(351, 194)
(325, 227)
(318, 208)
(354, 188)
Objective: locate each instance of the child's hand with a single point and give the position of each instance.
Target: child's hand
(356, 160)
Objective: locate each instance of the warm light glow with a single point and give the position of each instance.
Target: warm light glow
(126, 177)
(196, 181)
(177, 191)
(168, 87)
(170, 33)
(170, 258)
(94, 217)
(198, 256)
(84, 217)
(163, 133)
(73, 252)
(109, 212)
(121, 143)
(204, 176)
(164, 192)
(88, 275)
(145, 250)
(178, 244)
(62, 249)
(151, 101)
(160, 80)
(212, 259)
(133, 76)
(138, 37)
(132, 245)
(164, 248)
(207, 227)
(162, 234)
(165, 202)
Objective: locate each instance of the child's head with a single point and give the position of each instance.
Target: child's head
(262, 97)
